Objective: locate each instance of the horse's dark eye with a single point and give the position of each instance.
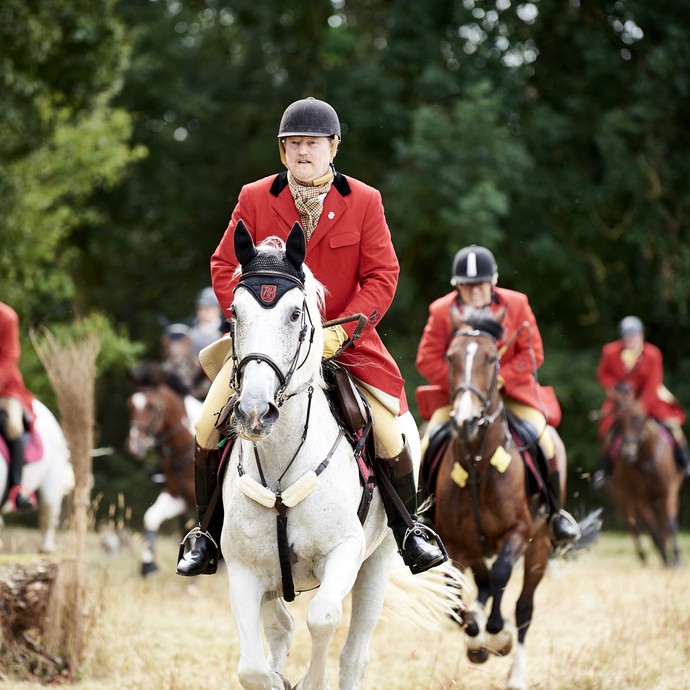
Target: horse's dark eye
(295, 315)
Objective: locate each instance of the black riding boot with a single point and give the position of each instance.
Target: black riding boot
(564, 527)
(19, 499)
(204, 555)
(682, 457)
(415, 541)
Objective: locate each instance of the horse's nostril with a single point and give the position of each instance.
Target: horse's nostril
(256, 414)
(272, 414)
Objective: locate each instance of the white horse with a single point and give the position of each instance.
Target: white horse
(291, 447)
(49, 474)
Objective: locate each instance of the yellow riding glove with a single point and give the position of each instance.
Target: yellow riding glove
(333, 338)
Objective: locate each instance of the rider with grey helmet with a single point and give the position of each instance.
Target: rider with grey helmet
(634, 364)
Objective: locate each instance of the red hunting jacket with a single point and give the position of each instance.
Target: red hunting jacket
(350, 252)
(646, 378)
(11, 381)
(524, 354)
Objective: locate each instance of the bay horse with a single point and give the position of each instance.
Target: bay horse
(645, 481)
(161, 421)
(291, 485)
(483, 508)
(47, 471)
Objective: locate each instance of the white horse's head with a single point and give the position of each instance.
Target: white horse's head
(277, 337)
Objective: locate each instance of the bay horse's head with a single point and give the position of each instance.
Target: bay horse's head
(473, 361)
(276, 345)
(631, 424)
(154, 409)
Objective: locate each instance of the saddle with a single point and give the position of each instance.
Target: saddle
(33, 447)
(353, 413)
(526, 440)
(522, 434)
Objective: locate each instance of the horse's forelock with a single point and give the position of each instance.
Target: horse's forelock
(484, 323)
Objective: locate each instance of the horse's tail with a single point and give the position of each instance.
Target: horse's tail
(424, 600)
(590, 529)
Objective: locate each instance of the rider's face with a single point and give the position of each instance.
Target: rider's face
(475, 294)
(308, 158)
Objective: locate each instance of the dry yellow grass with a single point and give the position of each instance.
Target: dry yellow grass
(602, 622)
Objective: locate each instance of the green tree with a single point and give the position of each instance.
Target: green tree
(60, 139)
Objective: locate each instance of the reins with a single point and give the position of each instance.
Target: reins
(283, 498)
(484, 422)
(283, 378)
(161, 438)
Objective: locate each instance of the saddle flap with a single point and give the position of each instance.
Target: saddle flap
(352, 405)
(526, 439)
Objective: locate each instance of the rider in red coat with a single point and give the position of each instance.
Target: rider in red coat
(349, 250)
(637, 365)
(16, 406)
(475, 275)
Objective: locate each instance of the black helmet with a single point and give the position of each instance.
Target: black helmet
(474, 264)
(309, 117)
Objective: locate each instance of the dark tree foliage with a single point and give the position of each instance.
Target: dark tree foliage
(554, 133)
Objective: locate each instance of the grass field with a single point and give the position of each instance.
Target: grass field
(602, 622)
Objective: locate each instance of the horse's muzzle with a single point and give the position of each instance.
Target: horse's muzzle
(468, 429)
(254, 420)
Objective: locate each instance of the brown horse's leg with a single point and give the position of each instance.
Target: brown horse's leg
(536, 560)
(633, 526)
(655, 519)
(500, 573)
(672, 502)
(475, 615)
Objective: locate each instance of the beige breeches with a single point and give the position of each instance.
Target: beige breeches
(388, 437)
(14, 426)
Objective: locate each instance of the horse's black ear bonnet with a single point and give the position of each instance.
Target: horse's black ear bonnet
(269, 275)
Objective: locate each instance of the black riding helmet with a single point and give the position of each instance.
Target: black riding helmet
(309, 117)
(474, 264)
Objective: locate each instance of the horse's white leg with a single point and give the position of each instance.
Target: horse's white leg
(279, 628)
(246, 594)
(50, 496)
(49, 518)
(368, 594)
(516, 680)
(165, 507)
(326, 608)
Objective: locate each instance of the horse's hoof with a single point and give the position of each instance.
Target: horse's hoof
(502, 641)
(478, 656)
(472, 628)
(148, 569)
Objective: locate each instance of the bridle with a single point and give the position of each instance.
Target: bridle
(636, 439)
(283, 378)
(485, 419)
(152, 429)
(275, 497)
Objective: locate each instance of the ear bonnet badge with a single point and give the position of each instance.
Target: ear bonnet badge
(268, 276)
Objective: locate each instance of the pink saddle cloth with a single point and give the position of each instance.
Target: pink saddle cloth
(33, 450)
